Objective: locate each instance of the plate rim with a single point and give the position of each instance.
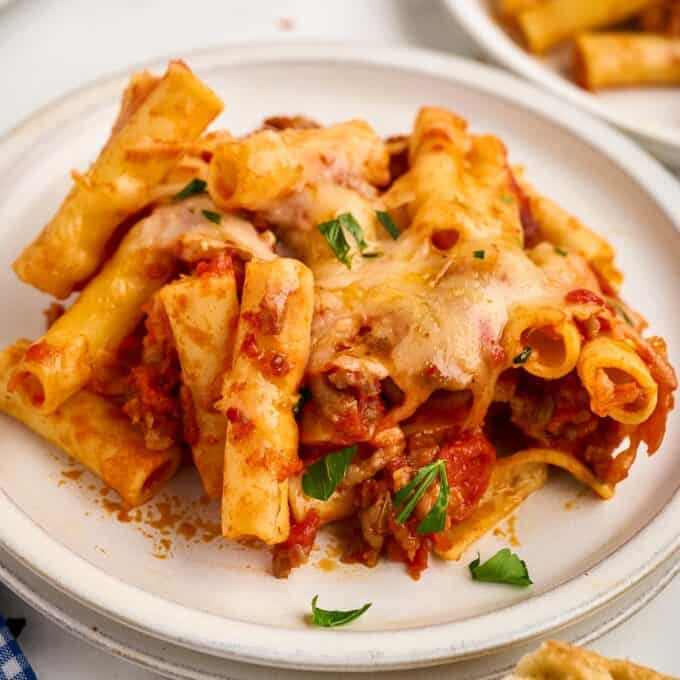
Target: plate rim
(474, 19)
(143, 657)
(404, 648)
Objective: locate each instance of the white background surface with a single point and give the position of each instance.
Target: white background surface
(48, 48)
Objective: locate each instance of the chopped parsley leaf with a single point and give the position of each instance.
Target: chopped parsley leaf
(196, 186)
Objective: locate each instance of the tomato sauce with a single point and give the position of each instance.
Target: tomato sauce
(417, 565)
(295, 550)
(469, 461)
(241, 425)
(531, 228)
(583, 296)
(217, 266)
(155, 390)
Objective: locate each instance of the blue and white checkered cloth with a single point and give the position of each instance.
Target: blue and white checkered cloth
(13, 663)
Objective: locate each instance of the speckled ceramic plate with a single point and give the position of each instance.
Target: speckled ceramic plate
(219, 598)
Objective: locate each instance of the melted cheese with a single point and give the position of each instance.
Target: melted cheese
(183, 228)
(428, 317)
(298, 215)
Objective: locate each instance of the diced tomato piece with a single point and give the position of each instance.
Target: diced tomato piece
(469, 457)
(583, 296)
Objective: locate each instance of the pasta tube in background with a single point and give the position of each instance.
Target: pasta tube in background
(618, 59)
(553, 21)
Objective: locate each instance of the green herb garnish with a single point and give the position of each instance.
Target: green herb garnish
(523, 356)
(348, 221)
(561, 251)
(408, 496)
(622, 312)
(212, 216)
(507, 198)
(387, 222)
(332, 618)
(323, 477)
(370, 255)
(196, 186)
(625, 316)
(504, 567)
(335, 236)
(334, 233)
(479, 254)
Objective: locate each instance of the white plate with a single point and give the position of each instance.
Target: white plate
(177, 662)
(223, 601)
(650, 114)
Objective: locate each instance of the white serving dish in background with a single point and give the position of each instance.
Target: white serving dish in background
(651, 115)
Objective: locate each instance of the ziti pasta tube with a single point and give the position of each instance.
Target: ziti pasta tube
(553, 21)
(203, 312)
(542, 341)
(89, 333)
(437, 151)
(615, 59)
(119, 183)
(92, 430)
(458, 188)
(257, 171)
(618, 381)
(492, 189)
(271, 352)
(564, 230)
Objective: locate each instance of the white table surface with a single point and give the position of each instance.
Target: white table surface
(49, 47)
